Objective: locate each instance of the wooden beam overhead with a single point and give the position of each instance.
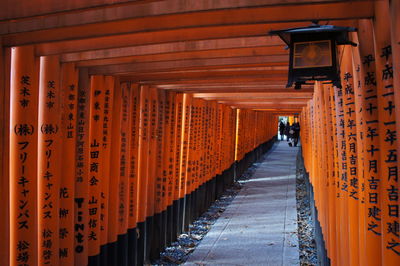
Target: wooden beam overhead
(237, 90)
(209, 18)
(173, 47)
(128, 69)
(208, 54)
(227, 95)
(47, 45)
(95, 11)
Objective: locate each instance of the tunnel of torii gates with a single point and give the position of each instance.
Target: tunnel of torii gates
(123, 120)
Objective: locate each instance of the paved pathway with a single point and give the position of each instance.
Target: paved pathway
(259, 226)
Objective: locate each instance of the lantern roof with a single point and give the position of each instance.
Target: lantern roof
(340, 34)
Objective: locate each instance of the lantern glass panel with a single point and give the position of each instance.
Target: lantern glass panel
(312, 54)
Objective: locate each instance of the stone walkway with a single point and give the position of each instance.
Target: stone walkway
(260, 226)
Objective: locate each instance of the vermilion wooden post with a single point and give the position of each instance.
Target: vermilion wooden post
(169, 164)
(178, 148)
(183, 190)
(388, 171)
(360, 107)
(69, 94)
(143, 176)
(106, 125)
(23, 156)
(133, 189)
(336, 180)
(325, 169)
(115, 154)
(49, 152)
(95, 177)
(330, 172)
(123, 195)
(341, 182)
(351, 152)
(394, 6)
(159, 194)
(82, 171)
(151, 159)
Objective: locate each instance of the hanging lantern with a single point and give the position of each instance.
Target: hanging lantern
(313, 52)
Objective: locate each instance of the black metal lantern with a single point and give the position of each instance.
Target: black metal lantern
(313, 52)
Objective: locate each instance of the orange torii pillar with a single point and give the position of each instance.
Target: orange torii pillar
(183, 189)
(151, 170)
(24, 93)
(49, 155)
(336, 177)
(69, 94)
(165, 171)
(324, 169)
(359, 107)
(123, 195)
(342, 181)
(394, 7)
(95, 177)
(191, 190)
(133, 173)
(367, 131)
(159, 234)
(106, 166)
(352, 176)
(178, 143)
(330, 173)
(388, 169)
(144, 139)
(115, 154)
(169, 165)
(82, 171)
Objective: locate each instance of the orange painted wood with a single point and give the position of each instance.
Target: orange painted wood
(353, 174)
(185, 138)
(144, 134)
(115, 155)
(95, 177)
(81, 212)
(134, 157)
(178, 143)
(69, 94)
(160, 182)
(120, 12)
(123, 194)
(49, 158)
(388, 171)
(360, 105)
(106, 141)
(169, 158)
(342, 222)
(394, 6)
(23, 156)
(330, 172)
(336, 178)
(152, 155)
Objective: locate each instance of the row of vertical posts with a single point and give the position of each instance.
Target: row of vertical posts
(109, 173)
(350, 146)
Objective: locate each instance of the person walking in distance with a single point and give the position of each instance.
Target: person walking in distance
(296, 133)
(281, 129)
(287, 131)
